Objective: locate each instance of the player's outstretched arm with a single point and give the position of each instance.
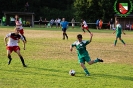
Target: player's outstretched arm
(71, 48)
(114, 31)
(91, 37)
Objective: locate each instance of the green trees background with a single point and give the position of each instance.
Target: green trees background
(90, 10)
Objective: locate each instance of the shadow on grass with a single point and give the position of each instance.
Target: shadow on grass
(114, 76)
(37, 71)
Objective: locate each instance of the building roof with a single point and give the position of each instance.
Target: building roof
(19, 13)
(129, 15)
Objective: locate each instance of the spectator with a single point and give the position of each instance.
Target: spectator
(59, 20)
(132, 26)
(97, 24)
(127, 26)
(4, 21)
(56, 23)
(45, 22)
(51, 22)
(12, 21)
(73, 22)
(40, 21)
(111, 22)
(100, 24)
(49, 25)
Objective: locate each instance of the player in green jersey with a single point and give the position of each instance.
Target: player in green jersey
(118, 33)
(83, 55)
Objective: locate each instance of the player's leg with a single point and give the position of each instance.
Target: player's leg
(9, 56)
(17, 50)
(117, 36)
(24, 38)
(22, 33)
(88, 30)
(63, 33)
(83, 30)
(90, 62)
(82, 64)
(122, 40)
(84, 68)
(66, 33)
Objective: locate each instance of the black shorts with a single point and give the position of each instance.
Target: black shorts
(45, 23)
(64, 29)
(40, 22)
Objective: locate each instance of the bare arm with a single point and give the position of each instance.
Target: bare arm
(71, 48)
(123, 31)
(24, 44)
(5, 40)
(114, 31)
(91, 37)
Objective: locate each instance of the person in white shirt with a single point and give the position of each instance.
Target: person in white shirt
(19, 26)
(12, 45)
(84, 26)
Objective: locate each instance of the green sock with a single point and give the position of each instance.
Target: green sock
(86, 71)
(115, 42)
(96, 60)
(122, 41)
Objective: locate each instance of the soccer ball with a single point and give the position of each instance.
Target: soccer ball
(72, 72)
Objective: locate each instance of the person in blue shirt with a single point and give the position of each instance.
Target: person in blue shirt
(97, 24)
(64, 25)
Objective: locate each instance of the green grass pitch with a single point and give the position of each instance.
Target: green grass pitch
(49, 60)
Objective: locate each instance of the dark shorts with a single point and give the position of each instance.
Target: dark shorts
(45, 23)
(64, 29)
(40, 22)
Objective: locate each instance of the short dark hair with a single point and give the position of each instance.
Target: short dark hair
(79, 36)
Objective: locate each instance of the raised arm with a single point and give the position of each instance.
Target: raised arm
(91, 37)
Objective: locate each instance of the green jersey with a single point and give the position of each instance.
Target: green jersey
(3, 19)
(81, 48)
(118, 29)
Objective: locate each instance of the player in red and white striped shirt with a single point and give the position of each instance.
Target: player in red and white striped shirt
(12, 45)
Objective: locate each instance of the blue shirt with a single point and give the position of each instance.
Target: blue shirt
(97, 22)
(64, 24)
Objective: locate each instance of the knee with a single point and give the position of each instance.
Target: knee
(82, 64)
(9, 56)
(89, 63)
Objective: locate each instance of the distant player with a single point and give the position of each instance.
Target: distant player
(19, 26)
(64, 25)
(118, 31)
(83, 53)
(84, 26)
(12, 45)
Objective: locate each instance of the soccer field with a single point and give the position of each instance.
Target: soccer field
(49, 60)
